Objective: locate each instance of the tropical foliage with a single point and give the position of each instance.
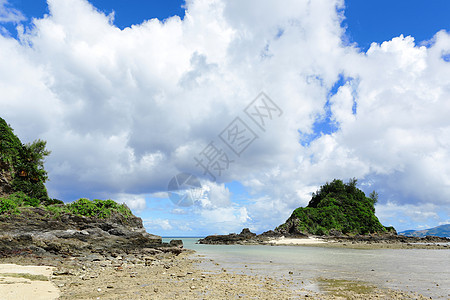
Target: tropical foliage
(26, 163)
(101, 209)
(97, 208)
(340, 207)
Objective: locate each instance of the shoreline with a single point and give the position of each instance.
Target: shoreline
(370, 241)
(186, 277)
(331, 243)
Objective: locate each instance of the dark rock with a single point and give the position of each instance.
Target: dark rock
(290, 228)
(62, 272)
(117, 231)
(246, 233)
(150, 251)
(176, 243)
(94, 257)
(174, 250)
(245, 237)
(271, 234)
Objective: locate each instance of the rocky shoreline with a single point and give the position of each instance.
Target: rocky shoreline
(392, 241)
(170, 276)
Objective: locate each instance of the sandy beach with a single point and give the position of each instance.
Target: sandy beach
(27, 282)
(292, 241)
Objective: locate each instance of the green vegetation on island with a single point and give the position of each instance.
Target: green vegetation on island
(336, 208)
(22, 179)
(96, 208)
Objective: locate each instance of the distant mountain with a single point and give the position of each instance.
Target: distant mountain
(442, 231)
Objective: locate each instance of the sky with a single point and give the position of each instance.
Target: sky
(257, 103)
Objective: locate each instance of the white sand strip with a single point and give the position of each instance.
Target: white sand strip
(296, 241)
(22, 287)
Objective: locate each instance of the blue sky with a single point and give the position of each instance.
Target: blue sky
(367, 21)
(322, 125)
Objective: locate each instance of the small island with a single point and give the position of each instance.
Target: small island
(338, 215)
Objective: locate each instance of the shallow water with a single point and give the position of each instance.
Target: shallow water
(414, 270)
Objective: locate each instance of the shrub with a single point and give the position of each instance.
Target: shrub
(7, 206)
(98, 208)
(18, 198)
(49, 201)
(83, 207)
(124, 210)
(21, 199)
(56, 210)
(32, 202)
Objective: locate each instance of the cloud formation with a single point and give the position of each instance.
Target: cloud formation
(125, 110)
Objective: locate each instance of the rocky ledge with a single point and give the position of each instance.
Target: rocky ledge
(245, 237)
(388, 238)
(36, 232)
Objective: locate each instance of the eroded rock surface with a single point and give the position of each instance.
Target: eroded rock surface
(36, 231)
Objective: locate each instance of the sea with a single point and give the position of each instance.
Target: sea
(425, 271)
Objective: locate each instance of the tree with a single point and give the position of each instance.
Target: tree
(374, 197)
(25, 162)
(35, 154)
(30, 174)
(352, 182)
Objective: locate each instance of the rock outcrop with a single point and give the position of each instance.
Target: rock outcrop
(290, 228)
(246, 236)
(36, 231)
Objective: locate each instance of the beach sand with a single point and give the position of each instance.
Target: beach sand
(27, 282)
(292, 241)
